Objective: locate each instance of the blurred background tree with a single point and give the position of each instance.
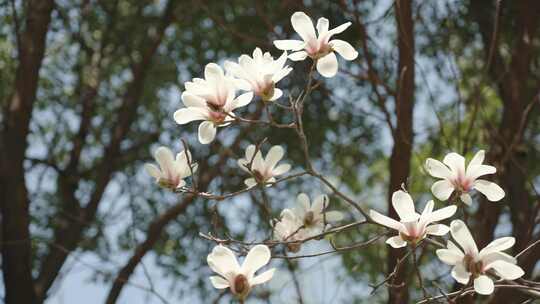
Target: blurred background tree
(88, 88)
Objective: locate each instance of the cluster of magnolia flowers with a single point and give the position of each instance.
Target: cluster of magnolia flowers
(213, 99)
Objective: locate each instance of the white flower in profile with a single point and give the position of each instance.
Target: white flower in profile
(319, 48)
(469, 263)
(262, 169)
(289, 229)
(412, 227)
(456, 178)
(171, 172)
(212, 100)
(240, 279)
(260, 73)
(313, 217)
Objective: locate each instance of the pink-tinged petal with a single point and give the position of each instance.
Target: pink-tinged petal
(258, 162)
(285, 45)
(499, 244)
(404, 206)
(442, 189)
(449, 257)
(223, 261)
(298, 56)
(437, 229)
(219, 282)
(460, 274)
(303, 25)
(328, 65)
(437, 169)
(483, 285)
(343, 48)
(478, 159)
(320, 203)
(322, 26)
(426, 214)
(303, 202)
(473, 172)
(385, 220)
(263, 277)
(455, 162)
(207, 132)
(443, 213)
(396, 242)
(333, 216)
(187, 115)
(463, 236)
(277, 94)
(338, 29)
(152, 170)
(274, 156)
(491, 190)
(281, 169)
(466, 199)
(165, 159)
(191, 100)
(213, 72)
(241, 101)
(257, 257)
(491, 257)
(507, 270)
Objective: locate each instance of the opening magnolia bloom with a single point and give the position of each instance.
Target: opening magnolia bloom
(240, 279)
(456, 178)
(320, 48)
(171, 172)
(260, 73)
(413, 227)
(288, 229)
(212, 100)
(469, 263)
(262, 169)
(313, 217)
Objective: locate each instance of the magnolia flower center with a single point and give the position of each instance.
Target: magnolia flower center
(260, 177)
(217, 115)
(167, 183)
(309, 219)
(240, 286)
(316, 49)
(472, 266)
(462, 184)
(267, 91)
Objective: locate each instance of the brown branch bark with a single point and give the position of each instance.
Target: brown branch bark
(403, 139)
(16, 245)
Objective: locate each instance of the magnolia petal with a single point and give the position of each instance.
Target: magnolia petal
(483, 285)
(223, 261)
(213, 71)
(298, 56)
(242, 100)
(165, 159)
(250, 150)
(473, 172)
(303, 202)
(281, 169)
(250, 182)
(426, 213)
(320, 203)
(404, 206)
(328, 65)
(478, 159)
(385, 220)
(437, 229)
(443, 213)
(460, 274)
(463, 236)
(153, 170)
(466, 199)
(455, 162)
(338, 29)
(187, 115)
(497, 256)
(499, 244)
(333, 216)
(437, 169)
(219, 282)
(263, 277)
(207, 132)
(491, 190)
(396, 242)
(442, 189)
(277, 94)
(274, 156)
(322, 26)
(303, 25)
(343, 48)
(285, 45)
(449, 257)
(507, 270)
(191, 100)
(450, 245)
(257, 257)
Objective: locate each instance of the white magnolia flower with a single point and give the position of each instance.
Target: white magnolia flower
(319, 48)
(171, 172)
(263, 170)
(289, 229)
(412, 226)
(456, 178)
(469, 263)
(240, 279)
(260, 73)
(212, 100)
(313, 217)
